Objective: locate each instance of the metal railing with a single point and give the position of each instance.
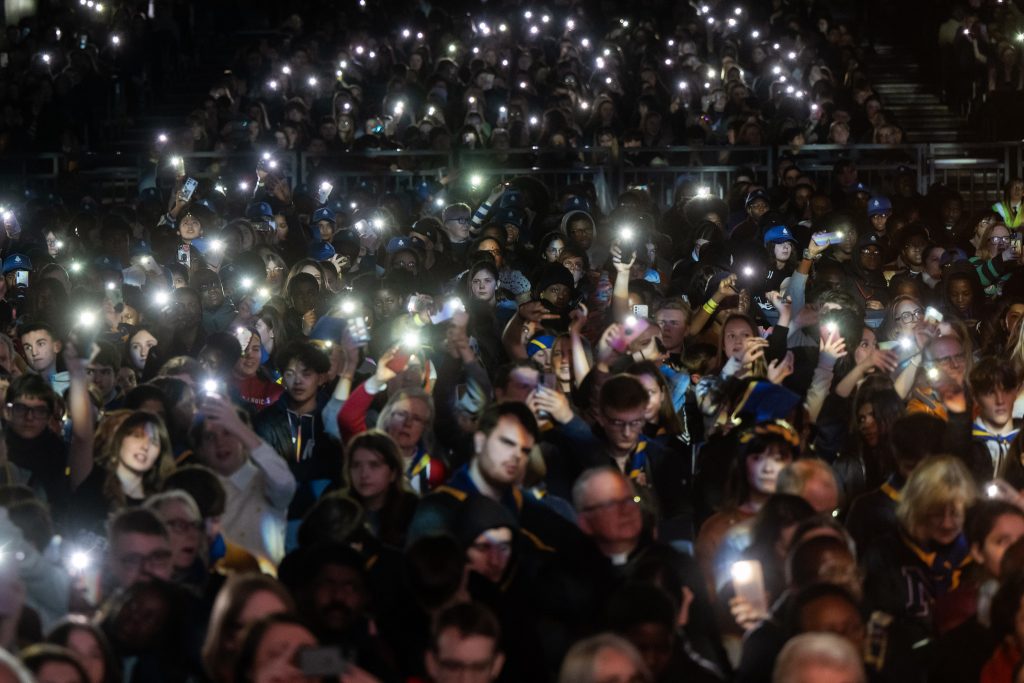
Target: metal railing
(977, 171)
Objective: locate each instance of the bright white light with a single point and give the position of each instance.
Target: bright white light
(162, 298)
(682, 85)
(115, 39)
(748, 271)
(411, 340)
(348, 306)
(755, 34)
(992, 491)
(246, 283)
(210, 386)
(86, 319)
(216, 246)
(704, 192)
(243, 186)
(161, 138)
(111, 286)
(311, 81)
(79, 561)
(286, 70)
(407, 33)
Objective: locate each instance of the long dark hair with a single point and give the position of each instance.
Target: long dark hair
(254, 637)
(395, 514)
(61, 632)
(887, 407)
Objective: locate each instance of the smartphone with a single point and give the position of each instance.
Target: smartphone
(401, 359)
(21, 278)
(829, 238)
(627, 244)
(888, 345)
(183, 255)
(448, 311)
(748, 582)
(933, 315)
(631, 330)
(322, 662)
(324, 193)
(641, 311)
(188, 188)
(358, 330)
(550, 381)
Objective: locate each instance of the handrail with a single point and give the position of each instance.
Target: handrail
(992, 162)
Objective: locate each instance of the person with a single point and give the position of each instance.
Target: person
(374, 478)
(241, 601)
(54, 664)
(258, 483)
(505, 434)
(103, 370)
(294, 428)
(929, 547)
(90, 645)
(130, 467)
(42, 347)
(140, 550)
(466, 645)
(944, 394)
(994, 386)
(250, 376)
(604, 657)
(764, 451)
(180, 514)
(817, 658)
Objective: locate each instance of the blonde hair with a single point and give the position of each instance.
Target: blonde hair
(580, 662)
(936, 482)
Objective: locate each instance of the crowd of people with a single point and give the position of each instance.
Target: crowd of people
(480, 431)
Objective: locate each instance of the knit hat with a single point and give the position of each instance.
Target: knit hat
(552, 274)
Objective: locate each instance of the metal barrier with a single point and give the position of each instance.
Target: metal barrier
(977, 171)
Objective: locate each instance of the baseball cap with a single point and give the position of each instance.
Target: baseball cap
(778, 234)
(397, 244)
(320, 250)
(259, 211)
(104, 263)
(878, 205)
(17, 262)
(755, 195)
(323, 214)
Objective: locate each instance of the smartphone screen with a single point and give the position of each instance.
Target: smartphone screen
(21, 278)
(183, 255)
(188, 188)
(640, 311)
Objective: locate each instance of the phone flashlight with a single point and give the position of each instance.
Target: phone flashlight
(86, 319)
(210, 387)
(411, 339)
(216, 246)
(79, 561)
(348, 306)
(161, 138)
(246, 283)
(263, 293)
(933, 373)
(475, 180)
(905, 343)
(162, 298)
(703, 192)
(111, 286)
(992, 491)
(749, 272)
(831, 327)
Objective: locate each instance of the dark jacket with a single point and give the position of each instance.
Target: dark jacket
(301, 440)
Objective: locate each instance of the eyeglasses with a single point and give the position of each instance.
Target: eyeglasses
(634, 425)
(461, 219)
(910, 316)
(999, 240)
(183, 526)
(22, 411)
(619, 504)
(134, 561)
(99, 371)
(951, 360)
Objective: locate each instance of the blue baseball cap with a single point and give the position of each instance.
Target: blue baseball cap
(539, 343)
(778, 234)
(320, 250)
(755, 195)
(259, 211)
(878, 205)
(142, 248)
(323, 214)
(328, 328)
(397, 244)
(860, 187)
(17, 262)
(516, 217)
(576, 203)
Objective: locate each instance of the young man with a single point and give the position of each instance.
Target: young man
(218, 313)
(465, 646)
(619, 441)
(505, 435)
(257, 483)
(456, 218)
(38, 454)
(994, 385)
(42, 346)
(673, 317)
(102, 371)
(294, 427)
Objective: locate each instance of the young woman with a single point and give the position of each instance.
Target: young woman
(138, 346)
(244, 599)
(867, 459)
(374, 478)
(90, 645)
(903, 315)
(994, 259)
(737, 354)
(250, 378)
(130, 467)
(762, 453)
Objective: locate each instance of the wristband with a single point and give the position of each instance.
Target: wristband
(710, 306)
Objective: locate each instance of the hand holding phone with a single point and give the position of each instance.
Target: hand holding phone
(188, 189)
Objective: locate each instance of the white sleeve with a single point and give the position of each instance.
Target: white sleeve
(280, 482)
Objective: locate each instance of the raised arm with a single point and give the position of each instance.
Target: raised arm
(80, 460)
